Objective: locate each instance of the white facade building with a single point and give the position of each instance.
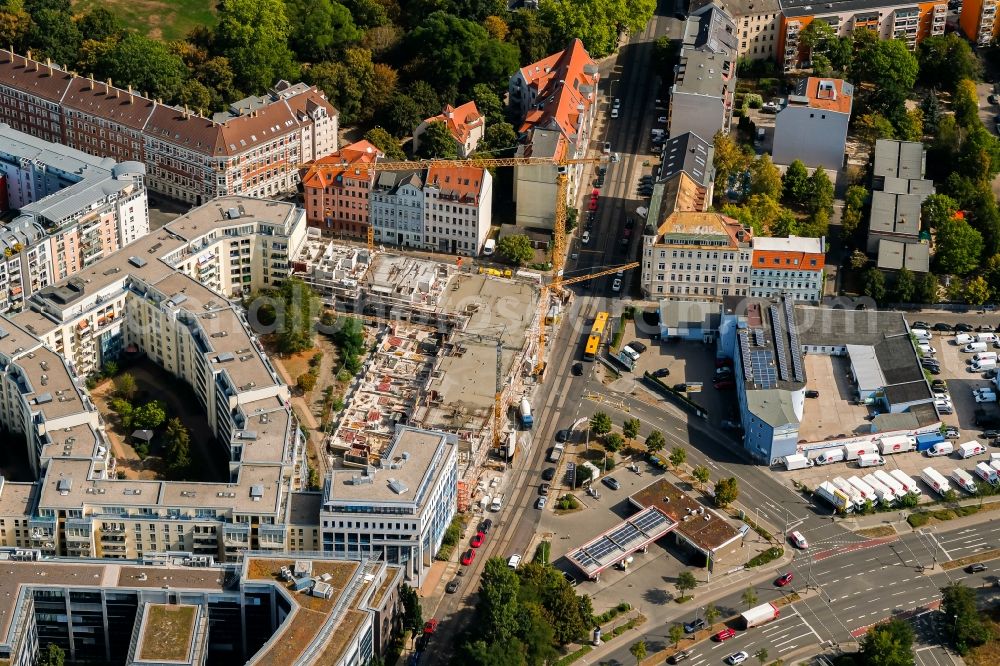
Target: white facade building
(812, 126)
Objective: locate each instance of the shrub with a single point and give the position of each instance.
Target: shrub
(567, 503)
(918, 519)
(769, 555)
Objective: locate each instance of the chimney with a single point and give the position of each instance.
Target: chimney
(93, 83)
(130, 95)
(48, 63)
(107, 87)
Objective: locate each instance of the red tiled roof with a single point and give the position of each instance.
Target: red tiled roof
(360, 152)
(460, 120)
(559, 81)
(129, 109)
(463, 182)
(29, 75)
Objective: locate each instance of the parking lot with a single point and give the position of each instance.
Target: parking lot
(961, 383)
(834, 413)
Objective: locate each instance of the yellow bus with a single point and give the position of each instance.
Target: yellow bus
(596, 333)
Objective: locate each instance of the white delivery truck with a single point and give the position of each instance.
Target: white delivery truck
(982, 366)
(896, 444)
(935, 480)
(995, 464)
(866, 491)
(897, 488)
(970, 449)
(987, 473)
(974, 347)
(986, 337)
(830, 456)
(854, 451)
(829, 492)
(497, 502)
(849, 490)
(797, 461)
(964, 480)
(985, 356)
(907, 481)
(882, 491)
(759, 615)
(870, 460)
(941, 449)
(963, 339)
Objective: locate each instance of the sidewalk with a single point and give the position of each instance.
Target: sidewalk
(897, 519)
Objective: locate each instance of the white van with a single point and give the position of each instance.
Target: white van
(964, 339)
(974, 347)
(985, 356)
(982, 366)
(831, 456)
(631, 353)
(489, 247)
(920, 333)
(870, 460)
(986, 337)
(944, 407)
(941, 449)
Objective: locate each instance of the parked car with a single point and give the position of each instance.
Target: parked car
(991, 434)
(812, 393)
(452, 586)
(784, 580)
(963, 328)
(478, 540)
(485, 526)
(577, 369)
(694, 625)
(638, 346)
(662, 372)
(430, 626)
(586, 237)
(548, 473)
(724, 385)
(611, 483)
(564, 434)
(540, 503)
(940, 326)
(920, 324)
(737, 657)
(616, 286)
(570, 578)
(975, 568)
(543, 489)
(951, 433)
(680, 656)
(468, 557)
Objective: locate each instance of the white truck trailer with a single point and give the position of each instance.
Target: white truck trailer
(837, 498)
(896, 444)
(866, 490)
(759, 615)
(849, 490)
(987, 473)
(935, 480)
(964, 481)
(897, 488)
(855, 451)
(908, 482)
(884, 492)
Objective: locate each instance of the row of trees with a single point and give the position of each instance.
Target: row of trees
(150, 416)
(290, 312)
(523, 616)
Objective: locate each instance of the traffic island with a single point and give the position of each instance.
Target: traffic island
(971, 559)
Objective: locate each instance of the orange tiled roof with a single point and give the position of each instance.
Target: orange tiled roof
(361, 152)
(462, 182)
(830, 100)
(460, 120)
(788, 260)
(558, 80)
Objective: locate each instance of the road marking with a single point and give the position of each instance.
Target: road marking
(778, 645)
(850, 607)
(871, 559)
(934, 537)
(896, 594)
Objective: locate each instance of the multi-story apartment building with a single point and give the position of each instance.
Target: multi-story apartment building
(556, 99)
(697, 254)
(465, 124)
(758, 25)
(812, 125)
(978, 21)
(790, 267)
(457, 209)
(254, 148)
(337, 188)
(74, 209)
(398, 511)
(889, 19)
(701, 98)
(396, 207)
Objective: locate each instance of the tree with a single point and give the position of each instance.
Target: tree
(765, 178)
(437, 142)
(795, 183)
(614, 442)
(53, 34)
(630, 428)
(52, 656)
(676, 634)
(318, 29)
(385, 142)
(413, 617)
(306, 382)
(14, 24)
(99, 24)
(123, 408)
(728, 158)
(871, 127)
(301, 307)
(749, 597)
(600, 423)
(858, 260)
(946, 59)
(820, 192)
(638, 650)
(498, 607)
(496, 27)
(959, 247)
(910, 126)
(400, 115)
(965, 104)
(145, 64)
(977, 291)
(932, 112)
(677, 456)
(655, 441)
(701, 474)
(937, 209)
(685, 582)
(595, 22)
(906, 286)
(711, 614)
(253, 35)
(149, 416)
(582, 474)
(874, 280)
(967, 629)
(178, 447)
(889, 66)
(726, 492)
(488, 103)
(499, 137)
(529, 35)
(516, 249)
(125, 386)
(761, 655)
(888, 644)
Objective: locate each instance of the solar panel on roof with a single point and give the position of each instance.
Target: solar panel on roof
(758, 337)
(745, 354)
(779, 342)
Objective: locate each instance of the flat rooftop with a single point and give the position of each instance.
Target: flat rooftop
(826, 327)
(409, 465)
(167, 632)
(416, 282)
(699, 525)
(79, 441)
(55, 395)
(215, 215)
(621, 541)
(793, 8)
(769, 346)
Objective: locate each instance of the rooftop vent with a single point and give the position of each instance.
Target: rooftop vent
(138, 262)
(397, 486)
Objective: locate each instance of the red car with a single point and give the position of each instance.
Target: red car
(593, 205)
(477, 540)
(784, 580)
(594, 193)
(725, 634)
(468, 557)
(430, 626)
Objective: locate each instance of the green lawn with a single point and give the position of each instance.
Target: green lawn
(162, 19)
